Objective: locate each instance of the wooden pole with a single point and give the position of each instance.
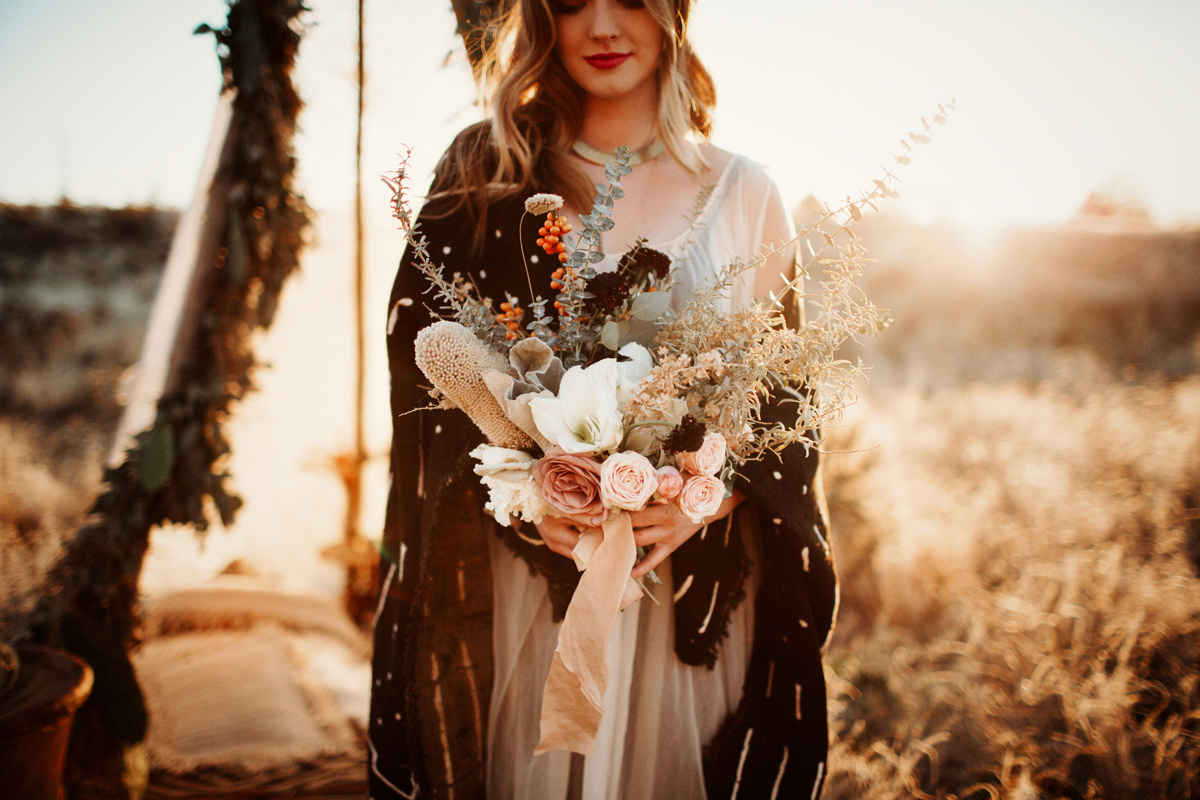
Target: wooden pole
(360, 583)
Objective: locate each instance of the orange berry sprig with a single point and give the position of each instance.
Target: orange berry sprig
(510, 317)
(550, 236)
(560, 279)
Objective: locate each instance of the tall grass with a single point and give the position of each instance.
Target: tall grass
(76, 284)
(1020, 610)
(50, 473)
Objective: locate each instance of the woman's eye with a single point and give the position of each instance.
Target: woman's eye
(633, 3)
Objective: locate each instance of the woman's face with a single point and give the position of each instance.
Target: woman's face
(611, 48)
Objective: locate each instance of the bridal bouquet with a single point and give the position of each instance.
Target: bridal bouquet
(618, 401)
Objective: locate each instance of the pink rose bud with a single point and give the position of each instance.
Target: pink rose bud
(627, 480)
(701, 497)
(708, 460)
(670, 482)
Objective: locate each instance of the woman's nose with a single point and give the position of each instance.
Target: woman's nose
(604, 21)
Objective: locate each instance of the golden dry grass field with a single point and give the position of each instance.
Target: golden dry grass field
(76, 285)
(1016, 519)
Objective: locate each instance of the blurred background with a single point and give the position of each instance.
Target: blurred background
(1016, 495)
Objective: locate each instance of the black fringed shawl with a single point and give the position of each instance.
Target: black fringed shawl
(432, 665)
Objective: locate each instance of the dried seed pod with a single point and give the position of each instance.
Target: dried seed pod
(454, 361)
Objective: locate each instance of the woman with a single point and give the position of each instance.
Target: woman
(718, 691)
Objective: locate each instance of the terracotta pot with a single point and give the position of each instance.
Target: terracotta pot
(35, 722)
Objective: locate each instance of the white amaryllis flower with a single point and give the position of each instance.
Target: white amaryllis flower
(512, 491)
(585, 416)
(630, 372)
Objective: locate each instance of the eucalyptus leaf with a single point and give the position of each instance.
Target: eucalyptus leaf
(610, 335)
(595, 256)
(640, 331)
(156, 456)
(649, 306)
(604, 224)
(617, 193)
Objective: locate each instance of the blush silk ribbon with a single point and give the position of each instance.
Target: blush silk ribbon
(574, 694)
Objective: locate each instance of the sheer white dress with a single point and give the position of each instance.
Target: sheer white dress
(659, 713)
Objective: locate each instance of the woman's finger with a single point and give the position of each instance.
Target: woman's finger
(560, 536)
(655, 557)
(564, 546)
(655, 514)
(644, 537)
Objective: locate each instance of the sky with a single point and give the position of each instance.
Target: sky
(111, 103)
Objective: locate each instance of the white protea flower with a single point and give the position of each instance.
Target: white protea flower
(543, 203)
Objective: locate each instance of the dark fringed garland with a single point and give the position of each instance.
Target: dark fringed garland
(177, 469)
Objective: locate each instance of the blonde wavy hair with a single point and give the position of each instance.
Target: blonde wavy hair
(535, 111)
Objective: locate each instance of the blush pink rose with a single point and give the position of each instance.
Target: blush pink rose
(708, 460)
(701, 497)
(670, 482)
(571, 485)
(627, 480)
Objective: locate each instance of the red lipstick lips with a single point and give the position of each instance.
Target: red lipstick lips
(607, 60)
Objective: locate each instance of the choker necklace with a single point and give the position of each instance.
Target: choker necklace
(595, 156)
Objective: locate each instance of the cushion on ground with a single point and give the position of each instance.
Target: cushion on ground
(241, 700)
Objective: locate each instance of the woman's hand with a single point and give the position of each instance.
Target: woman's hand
(559, 533)
(662, 528)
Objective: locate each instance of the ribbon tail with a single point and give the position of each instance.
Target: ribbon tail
(574, 694)
(633, 592)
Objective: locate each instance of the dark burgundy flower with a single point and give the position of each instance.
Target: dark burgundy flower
(610, 290)
(686, 437)
(642, 261)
